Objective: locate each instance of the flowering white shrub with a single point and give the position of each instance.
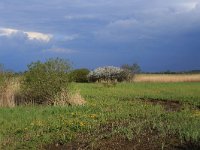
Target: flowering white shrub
(108, 73)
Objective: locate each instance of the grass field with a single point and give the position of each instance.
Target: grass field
(125, 116)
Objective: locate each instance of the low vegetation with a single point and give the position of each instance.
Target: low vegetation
(119, 111)
(180, 92)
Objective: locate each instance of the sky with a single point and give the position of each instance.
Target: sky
(159, 35)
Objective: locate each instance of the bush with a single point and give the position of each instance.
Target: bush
(43, 82)
(79, 75)
(133, 69)
(108, 73)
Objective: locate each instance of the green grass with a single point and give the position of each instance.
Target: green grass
(183, 92)
(33, 127)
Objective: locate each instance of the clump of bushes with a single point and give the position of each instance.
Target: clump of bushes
(44, 82)
(79, 75)
(108, 74)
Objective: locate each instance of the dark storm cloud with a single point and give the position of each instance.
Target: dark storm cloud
(158, 34)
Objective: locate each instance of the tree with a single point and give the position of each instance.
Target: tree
(133, 69)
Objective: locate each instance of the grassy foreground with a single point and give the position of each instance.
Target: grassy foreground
(121, 106)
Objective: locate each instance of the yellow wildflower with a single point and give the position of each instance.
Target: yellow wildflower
(82, 123)
(93, 116)
(196, 113)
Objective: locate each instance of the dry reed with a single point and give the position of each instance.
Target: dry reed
(167, 78)
(66, 98)
(9, 92)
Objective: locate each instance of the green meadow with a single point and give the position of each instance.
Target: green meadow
(125, 112)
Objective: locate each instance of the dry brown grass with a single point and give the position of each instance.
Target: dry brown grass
(76, 99)
(9, 92)
(66, 98)
(167, 78)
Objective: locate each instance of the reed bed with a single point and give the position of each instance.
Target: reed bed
(167, 78)
(9, 92)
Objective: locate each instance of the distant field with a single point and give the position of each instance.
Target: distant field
(167, 78)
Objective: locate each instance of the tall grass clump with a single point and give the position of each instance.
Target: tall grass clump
(44, 83)
(9, 89)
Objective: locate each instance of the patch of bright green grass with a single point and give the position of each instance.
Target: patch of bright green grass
(187, 92)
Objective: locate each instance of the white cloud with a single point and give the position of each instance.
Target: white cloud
(39, 36)
(7, 31)
(30, 35)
